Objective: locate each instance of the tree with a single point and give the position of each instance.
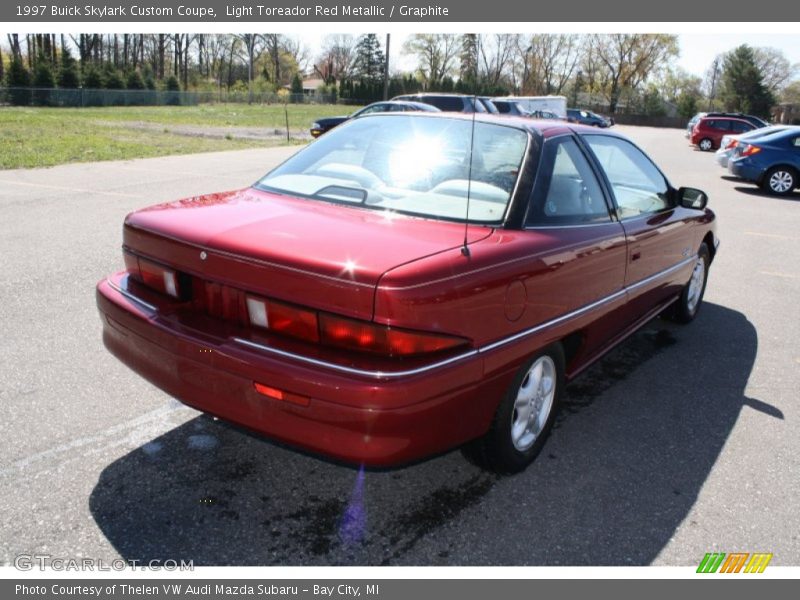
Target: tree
(135, 81)
(93, 79)
(254, 46)
(549, 62)
(43, 81)
(628, 59)
(369, 59)
(114, 79)
(68, 75)
(496, 53)
(18, 78)
(297, 87)
(687, 105)
(435, 53)
(775, 68)
(468, 70)
(791, 93)
(337, 59)
(743, 88)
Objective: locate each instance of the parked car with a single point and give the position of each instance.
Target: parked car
(756, 122)
(546, 114)
(708, 131)
(772, 161)
(408, 283)
(729, 142)
(587, 117)
(325, 124)
(447, 102)
(692, 122)
(509, 107)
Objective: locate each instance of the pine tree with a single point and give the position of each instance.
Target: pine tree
(134, 81)
(18, 78)
(469, 59)
(69, 76)
(93, 79)
(114, 79)
(743, 88)
(43, 81)
(369, 58)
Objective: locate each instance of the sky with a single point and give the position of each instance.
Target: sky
(699, 50)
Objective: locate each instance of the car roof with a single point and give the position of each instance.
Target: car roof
(429, 94)
(724, 118)
(545, 127)
(420, 105)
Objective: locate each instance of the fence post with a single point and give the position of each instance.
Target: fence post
(286, 112)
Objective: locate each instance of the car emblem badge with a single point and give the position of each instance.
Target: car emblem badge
(203, 255)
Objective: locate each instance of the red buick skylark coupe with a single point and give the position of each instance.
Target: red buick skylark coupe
(408, 283)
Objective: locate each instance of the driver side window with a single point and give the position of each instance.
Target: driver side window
(639, 187)
(567, 192)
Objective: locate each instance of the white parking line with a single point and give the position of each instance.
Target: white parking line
(779, 274)
(772, 235)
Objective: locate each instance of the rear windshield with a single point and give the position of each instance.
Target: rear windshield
(409, 164)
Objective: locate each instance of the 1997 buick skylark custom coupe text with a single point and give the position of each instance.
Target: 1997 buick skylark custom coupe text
(408, 283)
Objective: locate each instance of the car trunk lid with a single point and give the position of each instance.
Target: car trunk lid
(312, 253)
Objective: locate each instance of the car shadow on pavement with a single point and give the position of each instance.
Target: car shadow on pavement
(639, 434)
(757, 191)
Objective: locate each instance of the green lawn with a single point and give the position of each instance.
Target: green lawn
(43, 137)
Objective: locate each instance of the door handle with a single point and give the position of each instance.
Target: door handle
(636, 255)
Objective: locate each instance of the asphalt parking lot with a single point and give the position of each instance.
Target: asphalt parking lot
(683, 441)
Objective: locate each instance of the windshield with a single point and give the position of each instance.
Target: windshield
(410, 164)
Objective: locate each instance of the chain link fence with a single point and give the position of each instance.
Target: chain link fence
(17, 96)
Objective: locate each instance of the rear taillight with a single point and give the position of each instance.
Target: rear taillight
(341, 332)
(380, 339)
(749, 150)
(283, 318)
(159, 278)
(731, 144)
(155, 276)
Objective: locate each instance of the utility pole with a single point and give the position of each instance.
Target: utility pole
(386, 70)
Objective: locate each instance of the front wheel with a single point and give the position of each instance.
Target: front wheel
(525, 416)
(688, 304)
(780, 181)
(706, 145)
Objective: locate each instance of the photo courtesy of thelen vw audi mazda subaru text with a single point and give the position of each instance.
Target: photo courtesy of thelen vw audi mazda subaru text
(409, 283)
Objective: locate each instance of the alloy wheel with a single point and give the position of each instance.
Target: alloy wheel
(533, 403)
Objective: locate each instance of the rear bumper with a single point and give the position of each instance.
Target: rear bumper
(745, 169)
(373, 421)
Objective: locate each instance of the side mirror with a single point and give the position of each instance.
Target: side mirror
(692, 198)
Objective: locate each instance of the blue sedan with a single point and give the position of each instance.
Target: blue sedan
(773, 162)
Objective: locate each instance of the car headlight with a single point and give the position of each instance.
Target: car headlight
(316, 126)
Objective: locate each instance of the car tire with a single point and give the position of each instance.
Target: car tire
(524, 418)
(780, 181)
(706, 145)
(685, 309)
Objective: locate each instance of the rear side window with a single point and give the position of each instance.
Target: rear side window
(445, 103)
(639, 187)
(567, 190)
(740, 126)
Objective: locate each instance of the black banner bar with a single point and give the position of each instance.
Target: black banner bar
(376, 11)
(388, 589)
